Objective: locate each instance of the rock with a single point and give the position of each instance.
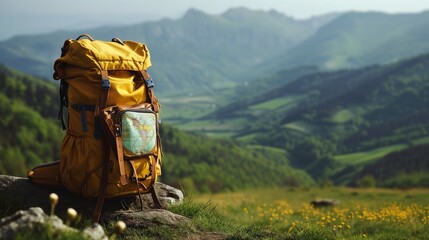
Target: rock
(323, 203)
(33, 220)
(95, 232)
(147, 218)
(19, 193)
(167, 195)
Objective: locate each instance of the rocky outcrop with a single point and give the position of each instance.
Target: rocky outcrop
(33, 221)
(23, 194)
(18, 193)
(147, 218)
(324, 203)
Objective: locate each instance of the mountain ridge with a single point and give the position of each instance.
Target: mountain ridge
(354, 39)
(186, 53)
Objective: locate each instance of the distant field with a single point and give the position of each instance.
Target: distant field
(368, 156)
(301, 126)
(421, 141)
(359, 213)
(297, 197)
(266, 148)
(343, 116)
(274, 104)
(374, 154)
(183, 107)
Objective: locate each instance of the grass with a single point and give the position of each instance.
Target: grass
(46, 232)
(274, 104)
(342, 116)
(212, 126)
(419, 141)
(362, 213)
(368, 156)
(300, 126)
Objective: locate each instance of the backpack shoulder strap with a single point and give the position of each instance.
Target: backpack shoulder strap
(150, 93)
(102, 103)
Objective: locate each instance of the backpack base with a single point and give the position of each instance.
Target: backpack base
(46, 175)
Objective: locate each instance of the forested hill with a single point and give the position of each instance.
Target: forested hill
(31, 135)
(328, 119)
(211, 165)
(358, 109)
(406, 168)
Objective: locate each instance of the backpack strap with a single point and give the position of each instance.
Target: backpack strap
(103, 184)
(83, 108)
(150, 93)
(63, 102)
(120, 154)
(155, 159)
(102, 103)
(152, 183)
(151, 188)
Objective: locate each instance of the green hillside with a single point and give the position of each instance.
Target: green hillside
(199, 163)
(327, 121)
(357, 39)
(406, 168)
(195, 53)
(31, 136)
(319, 106)
(354, 106)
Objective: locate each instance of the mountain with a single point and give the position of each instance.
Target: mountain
(358, 39)
(198, 52)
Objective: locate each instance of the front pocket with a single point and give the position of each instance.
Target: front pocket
(139, 132)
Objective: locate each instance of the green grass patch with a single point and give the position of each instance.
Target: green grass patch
(267, 148)
(301, 126)
(212, 125)
(46, 231)
(247, 137)
(274, 104)
(368, 156)
(342, 116)
(420, 141)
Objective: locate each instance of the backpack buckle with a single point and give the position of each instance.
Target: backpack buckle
(105, 84)
(149, 82)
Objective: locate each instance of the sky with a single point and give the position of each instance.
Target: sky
(23, 17)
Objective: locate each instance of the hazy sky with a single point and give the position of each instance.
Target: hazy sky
(30, 16)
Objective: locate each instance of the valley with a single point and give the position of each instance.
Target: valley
(324, 97)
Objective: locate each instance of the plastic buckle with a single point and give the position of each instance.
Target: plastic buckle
(149, 83)
(105, 84)
(117, 130)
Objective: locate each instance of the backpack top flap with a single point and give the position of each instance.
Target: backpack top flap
(101, 55)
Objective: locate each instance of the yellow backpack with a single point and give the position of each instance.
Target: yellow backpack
(112, 147)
